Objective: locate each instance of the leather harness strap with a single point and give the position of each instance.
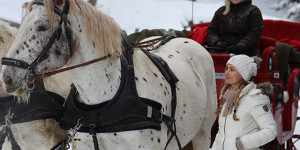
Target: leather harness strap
(6, 132)
(172, 79)
(147, 43)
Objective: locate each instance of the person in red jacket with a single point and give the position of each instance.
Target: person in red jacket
(236, 28)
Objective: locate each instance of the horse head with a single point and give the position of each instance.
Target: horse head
(52, 33)
(7, 36)
(39, 46)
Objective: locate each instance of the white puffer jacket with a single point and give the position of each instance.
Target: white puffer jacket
(256, 125)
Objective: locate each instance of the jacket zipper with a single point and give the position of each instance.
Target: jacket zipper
(224, 132)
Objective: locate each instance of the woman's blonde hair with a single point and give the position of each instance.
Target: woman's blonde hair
(227, 7)
(236, 98)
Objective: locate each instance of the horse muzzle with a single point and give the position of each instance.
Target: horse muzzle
(10, 84)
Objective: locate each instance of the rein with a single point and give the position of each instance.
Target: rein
(136, 45)
(72, 67)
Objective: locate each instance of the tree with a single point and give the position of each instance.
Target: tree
(292, 7)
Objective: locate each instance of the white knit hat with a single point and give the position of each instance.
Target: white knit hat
(245, 65)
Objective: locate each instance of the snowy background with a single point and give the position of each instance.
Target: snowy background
(159, 14)
(153, 14)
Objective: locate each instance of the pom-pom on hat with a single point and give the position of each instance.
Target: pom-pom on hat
(245, 65)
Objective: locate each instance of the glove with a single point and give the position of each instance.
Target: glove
(233, 49)
(222, 44)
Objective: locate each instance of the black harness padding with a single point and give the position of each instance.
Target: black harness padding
(42, 105)
(126, 111)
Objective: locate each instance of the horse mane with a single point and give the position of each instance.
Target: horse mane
(101, 28)
(7, 36)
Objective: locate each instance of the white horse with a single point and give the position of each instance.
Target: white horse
(39, 134)
(89, 34)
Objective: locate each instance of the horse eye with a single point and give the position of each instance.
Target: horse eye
(42, 28)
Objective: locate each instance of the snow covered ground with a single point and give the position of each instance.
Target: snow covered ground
(154, 14)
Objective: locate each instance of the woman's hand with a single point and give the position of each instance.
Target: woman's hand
(233, 49)
(222, 44)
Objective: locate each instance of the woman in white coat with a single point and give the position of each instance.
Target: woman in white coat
(245, 117)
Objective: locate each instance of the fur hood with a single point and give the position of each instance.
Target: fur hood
(266, 88)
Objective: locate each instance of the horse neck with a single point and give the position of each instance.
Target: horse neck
(59, 83)
(99, 82)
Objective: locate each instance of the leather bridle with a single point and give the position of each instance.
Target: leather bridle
(44, 54)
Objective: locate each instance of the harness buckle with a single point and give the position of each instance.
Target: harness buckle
(149, 111)
(158, 117)
(92, 130)
(130, 67)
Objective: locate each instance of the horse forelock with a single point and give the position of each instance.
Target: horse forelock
(100, 28)
(49, 6)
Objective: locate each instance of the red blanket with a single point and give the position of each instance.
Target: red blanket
(198, 34)
(294, 43)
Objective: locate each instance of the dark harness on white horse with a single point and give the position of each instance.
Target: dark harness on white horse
(43, 105)
(126, 111)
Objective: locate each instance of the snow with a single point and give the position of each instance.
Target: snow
(11, 10)
(155, 14)
(166, 14)
(151, 14)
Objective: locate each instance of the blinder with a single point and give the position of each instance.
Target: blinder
(44, 54)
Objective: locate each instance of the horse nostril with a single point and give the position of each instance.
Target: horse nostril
(7, 80)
